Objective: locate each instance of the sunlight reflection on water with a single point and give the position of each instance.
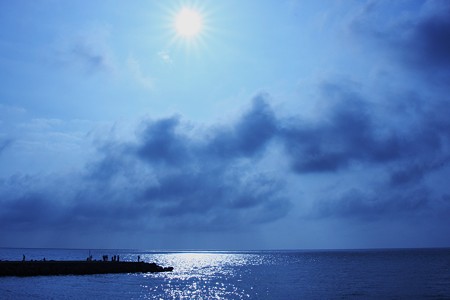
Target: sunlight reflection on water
(200, 275)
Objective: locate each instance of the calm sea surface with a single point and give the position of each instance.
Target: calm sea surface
(356, 274)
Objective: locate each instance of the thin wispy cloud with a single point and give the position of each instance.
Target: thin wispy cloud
(89, 50)
(138, 74)
(165, 57)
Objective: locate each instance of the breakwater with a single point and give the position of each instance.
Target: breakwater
(47, 268)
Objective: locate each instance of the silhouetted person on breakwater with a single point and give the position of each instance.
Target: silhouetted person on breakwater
(139, 258)
(23, 257)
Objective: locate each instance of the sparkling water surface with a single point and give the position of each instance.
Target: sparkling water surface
(356, 274)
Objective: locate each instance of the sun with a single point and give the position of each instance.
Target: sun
(189, 26)
(188, 23)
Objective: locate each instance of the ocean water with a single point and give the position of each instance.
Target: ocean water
(340, 274)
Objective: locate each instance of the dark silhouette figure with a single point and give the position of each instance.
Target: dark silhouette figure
(139, 258)
(118, 258)
(23, 257)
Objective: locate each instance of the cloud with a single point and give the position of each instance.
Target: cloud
(136, 71)
(194, 184)
(88, 50)
(4, 144)
(419, 41)
(93, 59)
(162, 144)
(165, 57)
(373, 206)
(175, 176)
(358, 136)
(249, 136)
(404, 135)
(347, 133)
(414, 172)
(166, 179)
(355, 128)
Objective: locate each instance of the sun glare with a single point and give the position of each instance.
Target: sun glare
(188, 23)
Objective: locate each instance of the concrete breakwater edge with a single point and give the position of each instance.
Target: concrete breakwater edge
(49, 268)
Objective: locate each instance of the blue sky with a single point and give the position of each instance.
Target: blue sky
(281, 125)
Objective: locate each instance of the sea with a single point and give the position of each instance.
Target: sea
(311, 274)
